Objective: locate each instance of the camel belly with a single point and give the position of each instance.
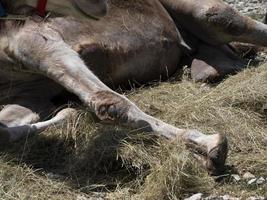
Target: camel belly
(137, 41)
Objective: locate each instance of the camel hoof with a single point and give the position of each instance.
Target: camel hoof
(216, 157)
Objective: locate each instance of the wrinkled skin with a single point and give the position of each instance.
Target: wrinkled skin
(136, 41)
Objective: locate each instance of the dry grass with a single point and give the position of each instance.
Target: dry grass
(87, 159)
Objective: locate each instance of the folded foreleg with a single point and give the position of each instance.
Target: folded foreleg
(215, 22)
(29, 128)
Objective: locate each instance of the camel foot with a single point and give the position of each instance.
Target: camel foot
(214, 159)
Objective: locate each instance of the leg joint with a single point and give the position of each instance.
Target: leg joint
(225, 19)
(109, 106)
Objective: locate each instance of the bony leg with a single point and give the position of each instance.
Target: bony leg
(14, 115)
(112, 107)
(215, 22)
(13, 134)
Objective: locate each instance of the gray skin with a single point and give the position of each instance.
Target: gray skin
(137, 41)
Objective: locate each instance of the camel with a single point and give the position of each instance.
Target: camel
(133, 41)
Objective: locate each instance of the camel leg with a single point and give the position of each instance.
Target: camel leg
(14, 115)
(205, 68)
(215, 22)
(28, 102)
(60, 63)
(17, 115)
(26, 123)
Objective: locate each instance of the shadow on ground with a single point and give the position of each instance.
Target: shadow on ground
(89, 165)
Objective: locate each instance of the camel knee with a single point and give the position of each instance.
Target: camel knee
(225, 19)
(16, 115)
(109, 106)
(221, 23)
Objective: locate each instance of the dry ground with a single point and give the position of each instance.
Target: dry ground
(87, 159)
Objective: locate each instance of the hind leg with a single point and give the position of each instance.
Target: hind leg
(215, 22)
